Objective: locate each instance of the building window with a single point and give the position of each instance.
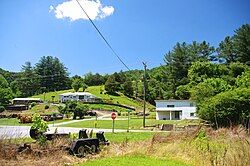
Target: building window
(170, 105)
(192, 114)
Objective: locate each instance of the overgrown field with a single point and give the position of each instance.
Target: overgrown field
(204, 146)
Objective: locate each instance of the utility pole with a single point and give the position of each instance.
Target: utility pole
(144, 93)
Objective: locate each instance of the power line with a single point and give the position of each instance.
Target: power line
(99, 32)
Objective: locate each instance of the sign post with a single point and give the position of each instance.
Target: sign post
(128, 119)
(113, 116)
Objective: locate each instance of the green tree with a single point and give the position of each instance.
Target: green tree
(84, 87)
(243, 81)
(28, 84)
(241, 41)
(236, 69)
(128, 88)
(77, 84)
(53, 74)
(5, 92)
(111, 86)
(183, 92)
(208, 88)
(199, 71)
(15, 88)
(94, 79)
(226, 50)
(180, 59)
(236, 48)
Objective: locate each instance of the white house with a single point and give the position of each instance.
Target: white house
(77, 96)
(175, 109)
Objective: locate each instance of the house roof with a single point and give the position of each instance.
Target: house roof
(173, 100)
(24, 99)
(174, 108)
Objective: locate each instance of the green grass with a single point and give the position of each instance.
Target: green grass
(130, 137)
(40, 109)
(106, 107)
(15, 122)
(121, 99)
(139, 160)
(123, 124)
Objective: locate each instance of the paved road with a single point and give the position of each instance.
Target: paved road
(23, 131)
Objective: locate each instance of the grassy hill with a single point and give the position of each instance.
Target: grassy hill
(96, 90)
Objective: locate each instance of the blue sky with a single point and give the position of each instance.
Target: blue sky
(139, 30)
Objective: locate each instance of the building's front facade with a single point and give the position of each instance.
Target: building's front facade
(77, 96)
(175, 109)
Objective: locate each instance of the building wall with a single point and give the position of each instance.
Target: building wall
(75, 97)
(186, 108)
(182, 103)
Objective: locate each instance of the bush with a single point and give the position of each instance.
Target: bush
(33, 104)
(41, 126)
(46, 107)
(227, 108)
(1, 109)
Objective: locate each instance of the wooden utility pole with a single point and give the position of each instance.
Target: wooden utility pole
(144, 93)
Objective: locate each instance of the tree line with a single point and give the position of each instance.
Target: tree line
(49, 74)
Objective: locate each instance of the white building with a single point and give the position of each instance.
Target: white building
(25, 101)
(175, 109)
(77, 96)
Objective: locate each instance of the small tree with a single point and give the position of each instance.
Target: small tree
(84, 87)
(77, 84)
(40, 126)
(111, 86)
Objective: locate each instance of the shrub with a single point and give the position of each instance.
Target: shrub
(46, 106)
(33, 104)
(2, 108)
(227, 108)
(41, 126)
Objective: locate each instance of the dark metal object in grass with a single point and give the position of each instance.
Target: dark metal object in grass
(34, 134)
(81, 147)
(83, 134)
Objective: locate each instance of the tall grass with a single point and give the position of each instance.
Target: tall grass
(204, 146)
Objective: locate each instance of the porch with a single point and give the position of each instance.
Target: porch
(169, 115)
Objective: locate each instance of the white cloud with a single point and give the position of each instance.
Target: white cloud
(51, 8)
(70, 9)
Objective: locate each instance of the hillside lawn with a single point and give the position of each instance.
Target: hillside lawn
(96, 90)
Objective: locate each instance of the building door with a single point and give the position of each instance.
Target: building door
(177, 115)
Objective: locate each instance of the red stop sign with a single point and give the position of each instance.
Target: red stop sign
(113, 115)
